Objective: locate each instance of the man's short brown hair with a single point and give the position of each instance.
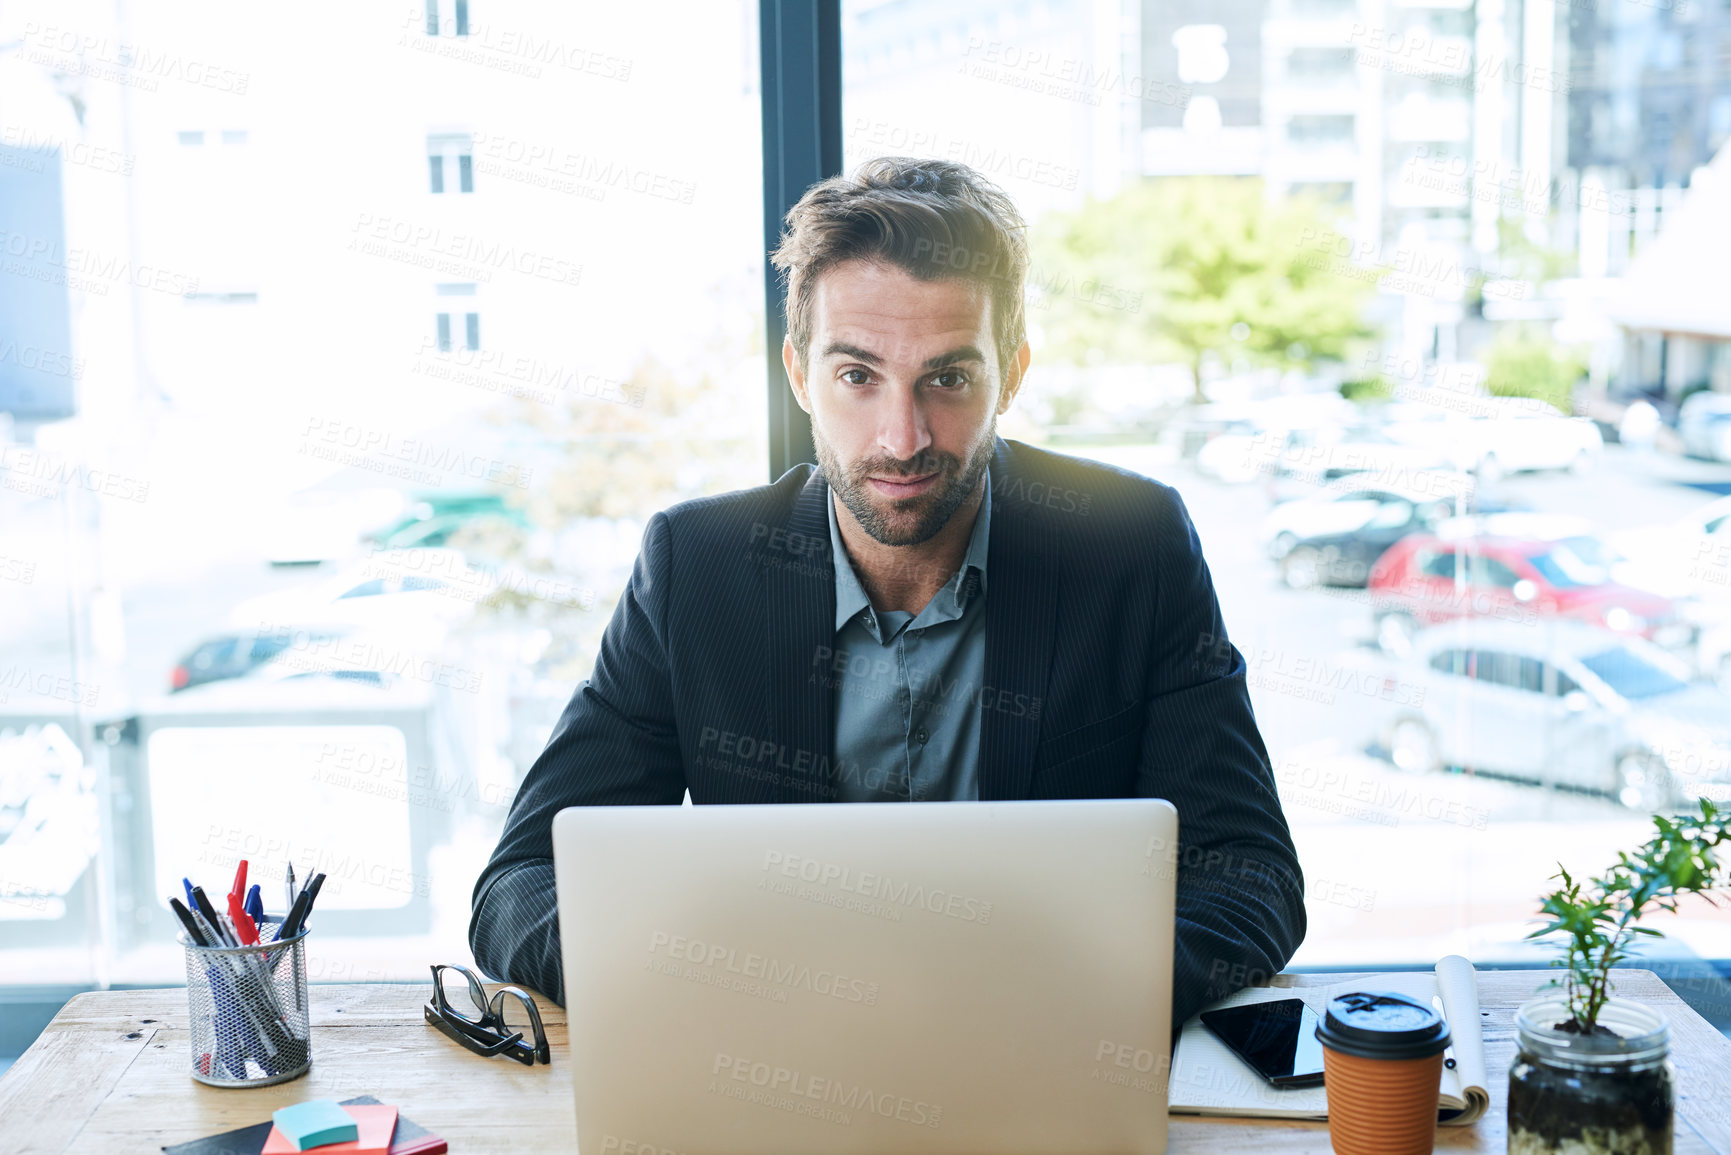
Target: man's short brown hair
(933, 219)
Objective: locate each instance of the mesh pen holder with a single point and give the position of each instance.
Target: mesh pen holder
(247, 1006)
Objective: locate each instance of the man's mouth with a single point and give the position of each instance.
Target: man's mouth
(905, 486)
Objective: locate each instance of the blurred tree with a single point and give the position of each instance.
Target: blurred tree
(622, 449)
(1525, 364)
(1180, 268)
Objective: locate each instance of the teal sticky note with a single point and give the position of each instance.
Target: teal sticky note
(315, 1123)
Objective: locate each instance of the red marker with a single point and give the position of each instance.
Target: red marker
(238, 890)
(243, 923)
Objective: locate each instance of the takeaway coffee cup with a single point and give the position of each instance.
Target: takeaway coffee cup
(1382, 1061)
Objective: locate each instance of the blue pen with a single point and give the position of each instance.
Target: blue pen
(255, 904)
(190, 905)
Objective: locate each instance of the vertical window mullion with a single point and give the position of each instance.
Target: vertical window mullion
(436, 169)
(444, 332)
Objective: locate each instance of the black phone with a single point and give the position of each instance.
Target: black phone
(1277, 1038)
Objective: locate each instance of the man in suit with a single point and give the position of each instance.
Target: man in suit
(933, 614)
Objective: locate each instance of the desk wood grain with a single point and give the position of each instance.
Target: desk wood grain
(110, 1075)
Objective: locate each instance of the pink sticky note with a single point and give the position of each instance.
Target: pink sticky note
(376, 1123)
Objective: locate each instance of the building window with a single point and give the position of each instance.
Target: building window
(192, 139)
(445, 319)
(448, 155)
(459, 25)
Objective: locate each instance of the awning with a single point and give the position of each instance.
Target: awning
(1678, 284)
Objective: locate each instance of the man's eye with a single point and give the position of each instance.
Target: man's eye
(855, 376)
(950, 379)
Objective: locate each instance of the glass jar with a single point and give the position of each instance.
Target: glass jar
(1599, 1094)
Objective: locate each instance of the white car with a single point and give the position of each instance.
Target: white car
(1704, 423)
(1323, 455)
(1516, 435)
(397, 590)
(1695, 549)
(1567, 704)
(1349, 503)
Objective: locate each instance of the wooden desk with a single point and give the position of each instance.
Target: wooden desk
(110, 1075)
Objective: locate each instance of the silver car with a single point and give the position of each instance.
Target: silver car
(1564, 704)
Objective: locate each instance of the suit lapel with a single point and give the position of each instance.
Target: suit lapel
(799, 609)
(1021, 619)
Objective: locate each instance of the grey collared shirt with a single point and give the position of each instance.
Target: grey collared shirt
(907, 719)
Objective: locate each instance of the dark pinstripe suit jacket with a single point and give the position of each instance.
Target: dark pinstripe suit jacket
(1108, 675)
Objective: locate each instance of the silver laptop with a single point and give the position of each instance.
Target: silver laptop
(808, 979)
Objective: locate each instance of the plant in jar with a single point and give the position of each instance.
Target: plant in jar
(1591, 1074)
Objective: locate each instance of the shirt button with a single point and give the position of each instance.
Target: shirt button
(920, 737)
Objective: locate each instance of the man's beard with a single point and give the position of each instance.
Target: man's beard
(907, 520)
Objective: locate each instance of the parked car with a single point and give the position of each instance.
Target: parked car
(434, 518)
(230, 655)
(1516, 434)
(1239, 453)
(1564, 704)
(1348, 503)
(1704, 423)
(315, 526)
(1425, 579)
(392, 590)
(1694, 550)
(1346, 558)
(1319, 456)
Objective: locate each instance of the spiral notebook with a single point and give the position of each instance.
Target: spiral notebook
(1208, 1079)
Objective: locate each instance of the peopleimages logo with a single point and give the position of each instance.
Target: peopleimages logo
(879, 887)
(777, 972)
(786, 1088)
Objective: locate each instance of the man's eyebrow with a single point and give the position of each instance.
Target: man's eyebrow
(840, 348)
(957, 356)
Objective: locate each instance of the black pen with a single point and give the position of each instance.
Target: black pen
(291, 921)
(209, 913)
(291, 925)
(195, 935)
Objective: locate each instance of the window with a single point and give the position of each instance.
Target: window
(1632, 675)
(448, 317)
(1488, 571)
(1390, 514)
(450, 163)
(1451, 662)
(457, 25)
(1438, 564)
(1511, 671)
(266, 388)
(1425, 191)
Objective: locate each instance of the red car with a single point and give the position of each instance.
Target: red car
(1424, 579)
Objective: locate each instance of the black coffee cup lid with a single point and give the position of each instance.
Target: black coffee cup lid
(1382, 1025)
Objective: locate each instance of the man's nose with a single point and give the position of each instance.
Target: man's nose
(903, 433)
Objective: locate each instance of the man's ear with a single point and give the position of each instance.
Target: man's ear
(1018, 372)
(795, 374)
